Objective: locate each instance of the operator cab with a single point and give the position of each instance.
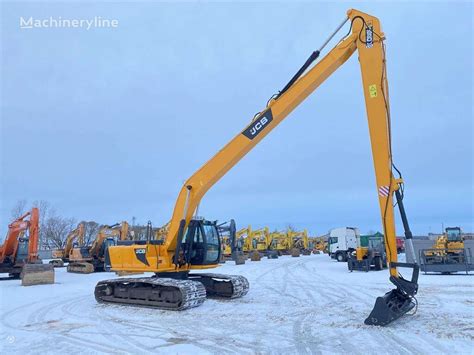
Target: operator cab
(202, 245)
(22, 251)
(453, 234)
(108, 242)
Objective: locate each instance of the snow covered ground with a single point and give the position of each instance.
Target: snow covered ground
(309, 304)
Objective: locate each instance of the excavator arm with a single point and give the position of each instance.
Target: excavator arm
(119, 230)
(365, 37)
(78, 234)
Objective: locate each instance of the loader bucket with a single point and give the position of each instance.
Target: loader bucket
(390, 307)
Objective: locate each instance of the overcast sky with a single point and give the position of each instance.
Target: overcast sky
(107, 123)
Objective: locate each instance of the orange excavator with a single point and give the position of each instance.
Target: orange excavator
(20, 247)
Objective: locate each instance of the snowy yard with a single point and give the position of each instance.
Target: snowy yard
(301, 305)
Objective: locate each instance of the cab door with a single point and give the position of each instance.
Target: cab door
(203, 243)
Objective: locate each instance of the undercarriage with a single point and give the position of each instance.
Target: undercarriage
(176, 291)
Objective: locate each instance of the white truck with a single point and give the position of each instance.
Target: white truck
(342, 241)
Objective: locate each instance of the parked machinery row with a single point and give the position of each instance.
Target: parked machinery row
(272, 244)
(91, 258)
(87, 258)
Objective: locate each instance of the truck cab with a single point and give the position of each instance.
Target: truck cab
(342, 242)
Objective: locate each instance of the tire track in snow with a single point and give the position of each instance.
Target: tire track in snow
(110, 332)
(180, 330)
(305, 340)
(36, 322)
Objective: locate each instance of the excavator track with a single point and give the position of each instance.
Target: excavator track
(162, 293)
(222, 286)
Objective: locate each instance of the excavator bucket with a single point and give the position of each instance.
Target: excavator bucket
(398, 301)
(80, 268)
(37, 274)
(389, 308)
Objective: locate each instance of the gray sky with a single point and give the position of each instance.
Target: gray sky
(106, 124)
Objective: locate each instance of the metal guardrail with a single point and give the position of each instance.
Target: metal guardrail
(445, 260)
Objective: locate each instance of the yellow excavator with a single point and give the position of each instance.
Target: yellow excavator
(232, 246)
(261, 239)
(280, 242)
(245, 237)
(74, 239)
(162, 231)
(89, 259)
(193, 243)
(318, 245)
(299, 242)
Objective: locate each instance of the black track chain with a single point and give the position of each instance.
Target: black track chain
(193, 292)
(240, 284)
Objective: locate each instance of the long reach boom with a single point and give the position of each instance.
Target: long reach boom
(179, 254)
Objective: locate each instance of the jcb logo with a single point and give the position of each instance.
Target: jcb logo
(140, 254)
(257, 126)
(262, 122)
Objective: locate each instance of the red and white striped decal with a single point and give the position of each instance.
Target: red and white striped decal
(384, 191)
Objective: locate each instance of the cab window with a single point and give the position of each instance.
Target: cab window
(212, 243)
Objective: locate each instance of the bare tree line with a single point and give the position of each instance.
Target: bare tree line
(54, 228)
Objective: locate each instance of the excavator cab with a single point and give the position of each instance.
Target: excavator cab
(108, 242)
(201, 245)
(22, 251)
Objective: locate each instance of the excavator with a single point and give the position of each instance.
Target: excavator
(244, 235)
(89, 259)
(192, 243)
(319, 245)
(261, 239)
(162, 231)
(280, 242)
(60, 256)
(299, 242)
(19, 251)
(231, 244)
